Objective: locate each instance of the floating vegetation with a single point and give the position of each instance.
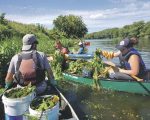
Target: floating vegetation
(105, 105)
(76, 67)
(44, 103)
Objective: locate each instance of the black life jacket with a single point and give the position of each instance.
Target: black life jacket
(124, 62)
(29, 69)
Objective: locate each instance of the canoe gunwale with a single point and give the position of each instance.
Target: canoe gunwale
(107, 79)
(130, 86)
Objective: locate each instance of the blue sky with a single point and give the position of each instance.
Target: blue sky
(96, 14)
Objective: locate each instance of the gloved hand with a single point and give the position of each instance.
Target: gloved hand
(53, 82)
(8, 85)
(107, 55)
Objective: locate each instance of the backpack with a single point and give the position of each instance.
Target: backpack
(28, 69)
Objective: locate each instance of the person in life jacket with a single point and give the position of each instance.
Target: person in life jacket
(29, 66)
(82, 48)
(130, 60)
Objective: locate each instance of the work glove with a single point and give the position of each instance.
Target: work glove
(53, 82)
(8, 85)
(107, 55)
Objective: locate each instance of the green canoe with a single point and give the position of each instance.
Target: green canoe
(131, 86)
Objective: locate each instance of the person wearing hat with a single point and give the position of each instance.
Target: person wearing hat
(81, 48)
(29, 51)
(130, 60)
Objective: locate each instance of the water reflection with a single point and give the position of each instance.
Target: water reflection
(91, 104)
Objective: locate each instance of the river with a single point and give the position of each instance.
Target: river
(91, 104)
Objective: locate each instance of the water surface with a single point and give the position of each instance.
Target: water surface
(91, 104)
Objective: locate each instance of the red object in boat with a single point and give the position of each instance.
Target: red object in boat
(87, 43)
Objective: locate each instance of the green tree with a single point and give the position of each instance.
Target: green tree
(2, 19)
(146, 30)
(71, 25)
(136, 28)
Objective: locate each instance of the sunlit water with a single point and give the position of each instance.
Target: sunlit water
(91, 104)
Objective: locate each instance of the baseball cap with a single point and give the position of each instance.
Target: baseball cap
(28, 40)
(123, 44)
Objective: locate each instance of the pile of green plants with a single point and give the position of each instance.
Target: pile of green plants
(19, 92)
(76, 67)
(96, 65)
(1, 90)
(44, 103)
(57, 64)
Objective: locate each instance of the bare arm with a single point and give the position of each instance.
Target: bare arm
(9, 77)
(10, 72)
(51, 77)
(134, 63)
(8, 80)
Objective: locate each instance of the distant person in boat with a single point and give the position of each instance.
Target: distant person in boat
(63, 50)
(130, 60)
(82, 48)
(29, 66)
(59, 46)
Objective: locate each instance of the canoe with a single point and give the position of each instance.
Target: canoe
(131, 86)
(66, 111)
(79, 56)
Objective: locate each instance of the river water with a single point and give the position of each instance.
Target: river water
(91, 104)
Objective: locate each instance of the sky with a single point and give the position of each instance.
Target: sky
(96, 14)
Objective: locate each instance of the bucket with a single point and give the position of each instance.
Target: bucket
(49, 114)
(17, 106)
(8, 117)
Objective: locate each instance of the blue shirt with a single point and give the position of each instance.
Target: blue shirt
(81, 50)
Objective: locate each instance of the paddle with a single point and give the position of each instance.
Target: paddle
(113, 65)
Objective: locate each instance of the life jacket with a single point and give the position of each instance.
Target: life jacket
(28, 69)
(81, 49)
(124, 62)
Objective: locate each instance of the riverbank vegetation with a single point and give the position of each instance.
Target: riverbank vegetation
(11, 34)
(140, 29)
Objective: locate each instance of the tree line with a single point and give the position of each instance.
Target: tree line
(139, 29)
(69, 26)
